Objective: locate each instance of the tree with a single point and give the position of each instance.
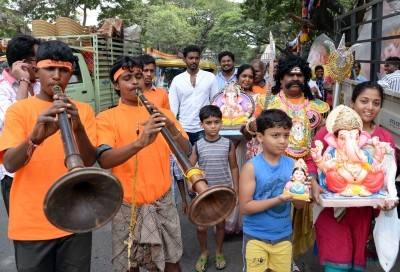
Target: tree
(169, 37)
(231, 32)
(272, 16)
(12, 22)
(131, 11)
(51, 9)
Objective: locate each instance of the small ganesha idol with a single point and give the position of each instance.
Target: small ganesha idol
(295, 186)
(347, 169)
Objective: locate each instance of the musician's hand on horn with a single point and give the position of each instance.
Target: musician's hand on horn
(46, 124)
(151, 129)
(72, 111)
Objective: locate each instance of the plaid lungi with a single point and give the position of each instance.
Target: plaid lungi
(156, 237)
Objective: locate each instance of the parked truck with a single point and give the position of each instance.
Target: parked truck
(94, 55)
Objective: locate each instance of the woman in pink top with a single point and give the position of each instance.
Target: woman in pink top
(342, 241)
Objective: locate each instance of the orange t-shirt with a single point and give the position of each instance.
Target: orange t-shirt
(260, 90)
(158, 96)
(27, 219)
(117, 127)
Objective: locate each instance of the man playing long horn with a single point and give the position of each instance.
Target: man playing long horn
(146, 230)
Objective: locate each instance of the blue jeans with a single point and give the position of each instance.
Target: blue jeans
(195, 136)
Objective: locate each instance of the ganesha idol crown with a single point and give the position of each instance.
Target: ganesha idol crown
(300, 163)
(232, 88)
(343, 117)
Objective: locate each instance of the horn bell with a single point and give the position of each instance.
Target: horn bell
(83, 200)
(212, 206)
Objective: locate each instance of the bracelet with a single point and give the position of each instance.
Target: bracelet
(31, 147)
(179, 134)
(24, 79)
(248, 128)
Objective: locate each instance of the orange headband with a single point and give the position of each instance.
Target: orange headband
(121, 70)
(54, 63)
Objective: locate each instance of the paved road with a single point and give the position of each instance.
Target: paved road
(101, 255)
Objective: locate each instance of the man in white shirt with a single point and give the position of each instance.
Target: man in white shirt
(392, 78)
(190, 91)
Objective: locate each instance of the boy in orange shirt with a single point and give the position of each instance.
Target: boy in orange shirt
(31, 147)
(131, 146)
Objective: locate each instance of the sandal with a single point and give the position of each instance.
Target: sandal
(220, 262)
(201, 264)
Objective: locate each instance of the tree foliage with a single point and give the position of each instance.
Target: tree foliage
(272, 15)
(170, 25)
(51, 9)
(169, 37)
(12, 23)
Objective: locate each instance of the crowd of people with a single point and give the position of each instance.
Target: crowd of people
(287, 116)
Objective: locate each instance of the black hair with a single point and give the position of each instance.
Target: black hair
(299, 168)
(125, 62)
(147, 59)
(21, 47)
(319, 67)
(54, 50)
(361, 87)
(357, 64)
(191, 48)
(226, 53)
(285, 65)
(273, 118)
(210, 111)
(244, 67)
(396, 60)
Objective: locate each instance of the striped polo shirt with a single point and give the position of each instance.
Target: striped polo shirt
(213, 158)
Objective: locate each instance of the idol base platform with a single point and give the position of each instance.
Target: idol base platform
(335, 200)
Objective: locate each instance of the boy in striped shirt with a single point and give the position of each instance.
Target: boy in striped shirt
(216, 155)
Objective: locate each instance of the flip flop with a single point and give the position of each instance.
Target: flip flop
(218, 260)
(201, 264)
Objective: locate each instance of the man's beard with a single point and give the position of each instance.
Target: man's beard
(294, 82)
(230, 69)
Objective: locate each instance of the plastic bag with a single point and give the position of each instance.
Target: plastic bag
(233, 224)
(387, 225)
(387, 236)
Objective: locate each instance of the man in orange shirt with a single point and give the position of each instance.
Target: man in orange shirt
(259, 84)
(147, 225)
(159, 97)
(156, 95)
(31, 148)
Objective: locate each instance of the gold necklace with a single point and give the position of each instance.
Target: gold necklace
(354, 171)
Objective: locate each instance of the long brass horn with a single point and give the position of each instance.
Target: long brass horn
(212, 204)
(85, 198)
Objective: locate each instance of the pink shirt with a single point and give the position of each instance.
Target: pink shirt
(8, 95)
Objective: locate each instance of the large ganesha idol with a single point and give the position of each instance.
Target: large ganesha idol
(236, 106)
(347, 169)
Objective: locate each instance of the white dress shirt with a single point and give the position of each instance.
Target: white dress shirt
(186, 100)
